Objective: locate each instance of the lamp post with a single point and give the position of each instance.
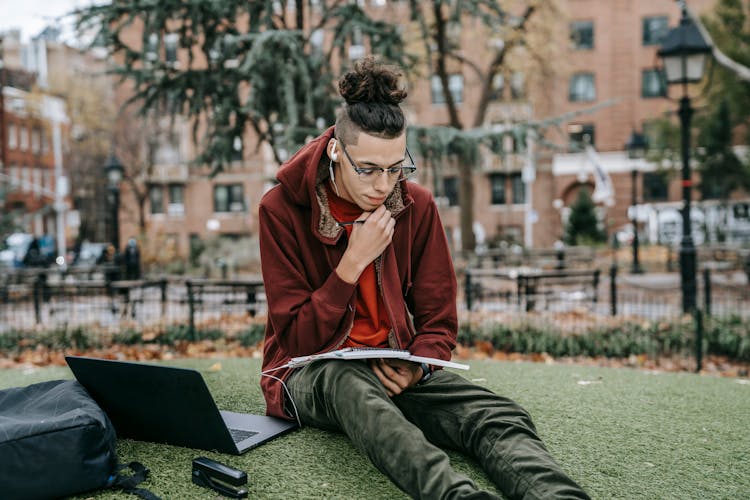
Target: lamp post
(684, 53)
(114, 170)
(636, 148)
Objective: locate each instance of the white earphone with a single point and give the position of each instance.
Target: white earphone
(334, 157)
(334, 154)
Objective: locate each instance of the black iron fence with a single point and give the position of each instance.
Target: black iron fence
(521, 303)
(48, 300)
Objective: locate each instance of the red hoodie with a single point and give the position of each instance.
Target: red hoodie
(311, 309)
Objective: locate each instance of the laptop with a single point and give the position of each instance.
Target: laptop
(170, 405)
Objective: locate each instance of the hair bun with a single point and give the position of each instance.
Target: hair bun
(370, 82)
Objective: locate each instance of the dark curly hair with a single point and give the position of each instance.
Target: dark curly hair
(372, 92)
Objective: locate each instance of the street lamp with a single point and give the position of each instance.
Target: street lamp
(684, 53)
(114, 170)
(636, 148)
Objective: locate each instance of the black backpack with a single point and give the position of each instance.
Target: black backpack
(56, 441)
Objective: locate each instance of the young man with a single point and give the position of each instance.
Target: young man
(354, 255)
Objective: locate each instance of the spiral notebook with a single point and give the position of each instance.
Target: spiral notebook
(372, 352)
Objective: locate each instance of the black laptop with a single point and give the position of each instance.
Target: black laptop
(170, 405)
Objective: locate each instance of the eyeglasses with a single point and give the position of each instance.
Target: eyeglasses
(395, 172)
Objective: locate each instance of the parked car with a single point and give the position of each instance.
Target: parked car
(26, 250)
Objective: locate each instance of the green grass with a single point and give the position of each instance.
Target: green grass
(621, 433)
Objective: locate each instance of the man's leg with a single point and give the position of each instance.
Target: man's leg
(455, 413)
(347, 396)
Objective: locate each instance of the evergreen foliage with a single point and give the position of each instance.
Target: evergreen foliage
(267, 66)
(721, 170)
(583, 226)
(729, 26)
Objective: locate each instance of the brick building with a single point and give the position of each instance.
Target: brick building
(605, 51)
(30, 178)
(44, 81)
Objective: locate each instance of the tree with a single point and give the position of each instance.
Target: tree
(233, 66)
(583, 225)
(729, 26)
(269, 66)
(721, 170)
(518, 45)
(91, 122)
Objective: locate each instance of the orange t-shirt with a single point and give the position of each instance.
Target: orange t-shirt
(371, 325)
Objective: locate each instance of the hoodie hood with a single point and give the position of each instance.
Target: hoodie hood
(302, 178)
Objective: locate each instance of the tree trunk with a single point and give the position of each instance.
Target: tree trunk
(466, 200)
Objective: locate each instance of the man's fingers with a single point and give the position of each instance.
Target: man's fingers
(390, 386)
(394, 380)
(400, 377)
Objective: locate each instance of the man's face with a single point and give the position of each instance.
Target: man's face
(368, 191)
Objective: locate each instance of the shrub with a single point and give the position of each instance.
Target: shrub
(251, 336)
(727, 337)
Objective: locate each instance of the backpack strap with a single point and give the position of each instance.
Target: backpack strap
(128, 483)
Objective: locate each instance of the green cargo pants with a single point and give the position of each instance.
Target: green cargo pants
(403, 435)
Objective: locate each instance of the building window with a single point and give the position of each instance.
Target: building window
(152, 47)
(47, 179)
(654, 187)
(317, 38)
(45, 143)
(517, 188)
(582, 133)
(12, 136)
(455, 87)
(497, 189)
(156, 199)
(176, 199)
(170, 48)
(36, 141)
(450, 190)
(652, 83)
(582, 35)
(24, 139)
(498, 86)
(741, 211)
(655, 28)
(517, 86)
(25, 178)
(229, 198)
(582, 87)
(15, 174)
(37, 180)
(237, 149)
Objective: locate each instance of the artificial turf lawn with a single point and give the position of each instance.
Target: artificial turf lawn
(620, 433)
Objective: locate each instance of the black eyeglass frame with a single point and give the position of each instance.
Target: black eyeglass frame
(405, 171)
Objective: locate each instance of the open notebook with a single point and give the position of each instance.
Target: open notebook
(372, 352)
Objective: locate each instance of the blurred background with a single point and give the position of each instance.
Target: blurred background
(584, 153)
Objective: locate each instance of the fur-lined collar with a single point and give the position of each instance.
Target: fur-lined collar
(327, 225)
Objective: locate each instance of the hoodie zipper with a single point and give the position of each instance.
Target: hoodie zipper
(392, 337)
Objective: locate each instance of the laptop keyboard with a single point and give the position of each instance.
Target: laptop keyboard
(239, 435)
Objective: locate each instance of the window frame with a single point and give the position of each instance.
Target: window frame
(231, 200)
(156, 208)
(575, 28)
(450, 190)
(587, 128)
(516, 181)
(651, 190)
(581, 76)
(436, 88)
(647, 36)
(493, 178)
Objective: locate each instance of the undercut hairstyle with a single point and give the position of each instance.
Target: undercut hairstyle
(372, 92)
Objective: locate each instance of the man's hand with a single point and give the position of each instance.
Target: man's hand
(366, 243)
(396, 375)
